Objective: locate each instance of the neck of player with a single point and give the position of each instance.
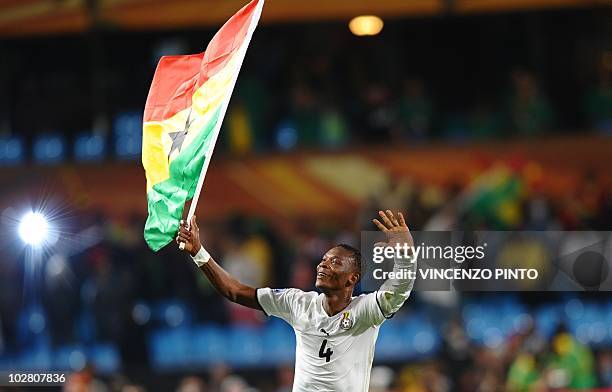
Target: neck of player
(334, 302)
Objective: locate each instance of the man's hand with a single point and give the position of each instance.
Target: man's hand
(395, 228)
(190, 236)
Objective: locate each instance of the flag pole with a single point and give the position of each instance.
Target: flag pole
(217, 129)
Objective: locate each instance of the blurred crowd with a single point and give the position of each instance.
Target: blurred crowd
(94, 295)
(320, 87)
(406, 111)
(525, 362)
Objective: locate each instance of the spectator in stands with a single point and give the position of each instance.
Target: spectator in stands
(572, 364)
(395, 194)
(378, 116)
(457, 348)
(86, 380)
(523, 374)
(233, 383)
(108, 291)
(604, 364)
(381, 379)
(10, 302)
(61, 299)
(133, 388)
(598, 102)
(254, 95)
(192, 384)
(305, 114)
(334, 131)
(529, 110)
(218, 373)
(415, 111)
(484, 122)
(239, 132)
(242, 264)
(285, 379)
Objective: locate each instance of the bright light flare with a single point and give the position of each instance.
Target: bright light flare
(366, 25)
(33, 228)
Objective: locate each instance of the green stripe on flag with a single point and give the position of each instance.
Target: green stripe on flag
(166, 200)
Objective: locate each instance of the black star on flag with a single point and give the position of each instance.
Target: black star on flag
(179, 137)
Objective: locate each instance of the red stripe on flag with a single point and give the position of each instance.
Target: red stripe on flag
(226, 42)
(177, 77)
(173, 85)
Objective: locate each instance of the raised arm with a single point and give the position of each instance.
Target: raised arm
(393, 292)
(223, 282)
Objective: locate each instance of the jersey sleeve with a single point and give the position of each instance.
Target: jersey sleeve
(394, 292)
(382, 304)
(279, 302)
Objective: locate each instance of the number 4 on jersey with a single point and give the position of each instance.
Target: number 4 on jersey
(325, 354)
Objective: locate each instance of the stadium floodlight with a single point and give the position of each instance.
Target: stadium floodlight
(366, 25)
(33, 228)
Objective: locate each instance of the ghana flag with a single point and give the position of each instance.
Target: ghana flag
(182, 118)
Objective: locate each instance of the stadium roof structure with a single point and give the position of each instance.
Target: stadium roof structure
(32, 17)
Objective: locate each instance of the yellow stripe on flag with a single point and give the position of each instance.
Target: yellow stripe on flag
(156, 141)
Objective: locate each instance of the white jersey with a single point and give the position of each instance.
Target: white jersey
(334, 353)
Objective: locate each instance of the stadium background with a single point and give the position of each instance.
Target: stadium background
(324, 128)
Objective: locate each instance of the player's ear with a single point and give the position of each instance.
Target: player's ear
(353, 279)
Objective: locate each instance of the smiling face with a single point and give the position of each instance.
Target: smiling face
(337, 270)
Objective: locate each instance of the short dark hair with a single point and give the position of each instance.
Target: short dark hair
(355, 253)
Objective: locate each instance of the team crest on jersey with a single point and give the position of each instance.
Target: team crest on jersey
(346, 322)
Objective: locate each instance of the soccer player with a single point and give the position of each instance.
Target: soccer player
(335, 331)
